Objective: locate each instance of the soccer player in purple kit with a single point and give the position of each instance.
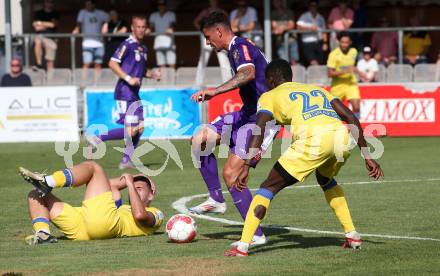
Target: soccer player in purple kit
(249, 65)
(129, 63)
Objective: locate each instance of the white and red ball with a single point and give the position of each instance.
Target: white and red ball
(181, 228)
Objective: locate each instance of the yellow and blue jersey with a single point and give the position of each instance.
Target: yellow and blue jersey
(305, 107)
(339, 60)
(319, 134)
(99, 218)
(128, 226)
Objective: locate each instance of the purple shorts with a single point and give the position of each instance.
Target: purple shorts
(235, 129)
(131, 113)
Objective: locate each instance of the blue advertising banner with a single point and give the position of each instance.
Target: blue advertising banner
(168, 113)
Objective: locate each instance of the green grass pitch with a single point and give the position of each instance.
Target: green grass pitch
(408, 205)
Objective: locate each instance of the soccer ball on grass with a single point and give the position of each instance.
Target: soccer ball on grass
(181, 228)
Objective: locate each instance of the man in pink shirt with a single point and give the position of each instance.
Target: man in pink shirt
(340, 18)
(384, 44)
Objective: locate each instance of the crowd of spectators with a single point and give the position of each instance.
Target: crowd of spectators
(306, 48)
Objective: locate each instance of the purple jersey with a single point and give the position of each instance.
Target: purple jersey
(243, 52)
(132, 57)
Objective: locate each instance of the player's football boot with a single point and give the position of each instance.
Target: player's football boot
(209, 206)
(352, 240)
(37, 180)
(124, 164)
(40, 237)
(234, 252)
(256, 240)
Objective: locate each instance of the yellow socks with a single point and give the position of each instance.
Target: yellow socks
(60, 179)
(262, 198)
(336, 199)
(41, 224)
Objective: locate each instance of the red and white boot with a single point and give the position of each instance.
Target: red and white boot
(352, 240)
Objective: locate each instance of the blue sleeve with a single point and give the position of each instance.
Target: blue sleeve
(118, 203)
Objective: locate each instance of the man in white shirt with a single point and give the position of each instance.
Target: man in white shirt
(163, 22)
(90, 21)
(367, 66)
(244, 20)
(315, 42)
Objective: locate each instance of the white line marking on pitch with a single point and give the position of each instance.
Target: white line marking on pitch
(180, 206)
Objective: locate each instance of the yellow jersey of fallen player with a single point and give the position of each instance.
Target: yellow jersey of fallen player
(338, 60)
(305, 107)
(128, 227)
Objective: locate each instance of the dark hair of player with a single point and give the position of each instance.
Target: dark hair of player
(143, 179)
(279, 70)
(213, 19)
(343, 34)
(91, 1)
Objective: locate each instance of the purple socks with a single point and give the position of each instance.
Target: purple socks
(242, 201)
(114, 134)
(209, 171)
(118, 134)
(129, 147)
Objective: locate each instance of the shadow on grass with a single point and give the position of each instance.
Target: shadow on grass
(233, 235)
(279, 238)
(302, 242)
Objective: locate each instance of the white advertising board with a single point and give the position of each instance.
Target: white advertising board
(38, 114)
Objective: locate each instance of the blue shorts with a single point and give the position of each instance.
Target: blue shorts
(131, 113)
(93, 55)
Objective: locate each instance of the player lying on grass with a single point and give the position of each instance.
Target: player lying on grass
(102, 214)
(320, 144)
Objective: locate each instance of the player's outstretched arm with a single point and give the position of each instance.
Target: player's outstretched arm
(243, 76)
(254, 148)
(347, 116)
(137, 206)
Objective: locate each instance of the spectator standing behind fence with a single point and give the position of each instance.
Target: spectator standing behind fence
(163, 23)
(340, 19)
(384, 44)
(283, 20)
(367, 66)
(16, 77)
(115, 25)
(45, 22)
(416, 44)
(315, 42)
(89, 21)
(244, 20)
(206, 50)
